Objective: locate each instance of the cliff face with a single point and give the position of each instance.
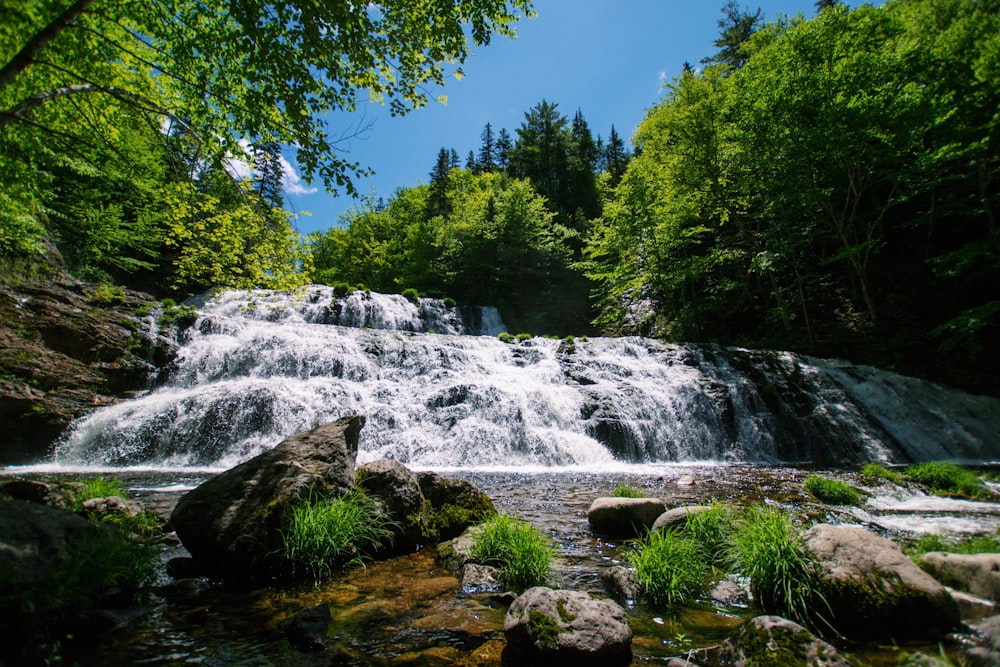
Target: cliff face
(65, 347)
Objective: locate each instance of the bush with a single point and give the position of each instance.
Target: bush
(832, 491)
(523, 336)
(874, 472)
(519, 550)
(324, 534)
(713, 529)
(626, 491)
(412, 296)
(341, 289)
(505, 337)
(767, 548)
(669, 569)
(947, 479)
(449, 302)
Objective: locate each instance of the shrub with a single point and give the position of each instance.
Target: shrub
(767, 548)
(567, 346)
(412, 296)
(505, 337)
(324, 534)
(832, 491)
(523, 336)
(947, 479)
(874, 472)
(519, 550)
(449, 302)
(341, 289)
(713, 529)
(107, 295)
(626, 491)
(670, 569)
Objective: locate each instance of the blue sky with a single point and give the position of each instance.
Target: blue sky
(608, 58)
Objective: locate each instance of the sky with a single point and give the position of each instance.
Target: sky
(607, 58)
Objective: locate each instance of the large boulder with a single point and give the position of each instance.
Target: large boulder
(424, 507)
(624, 517)
(233, 522)
(772, 640)
(978, 574)
(566, 627)
(872, 590)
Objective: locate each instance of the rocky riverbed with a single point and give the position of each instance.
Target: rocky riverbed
(411, 610)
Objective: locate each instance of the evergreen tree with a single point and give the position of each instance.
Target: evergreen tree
(581, 184)
(267, 165)
(502, 150)
(437, 197)
(736, 27)
(471, 164)
(454, 161)
(488, 150)
(540, 153)
(825, 4)
(615, 157)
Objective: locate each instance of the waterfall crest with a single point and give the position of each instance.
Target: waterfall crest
(260, 366)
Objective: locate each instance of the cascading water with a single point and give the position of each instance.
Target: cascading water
(260, 366)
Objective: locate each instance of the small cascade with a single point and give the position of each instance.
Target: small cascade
(259, 366)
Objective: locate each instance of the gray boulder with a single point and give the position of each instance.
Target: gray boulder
(978, 574)
(621, 585)
(771, 640)
(624, 517)
(986, 651)
(566, 627)
(425, 507)
(873, 590)
(676, 517)
(233, 522)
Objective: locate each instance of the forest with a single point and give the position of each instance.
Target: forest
(823, 184)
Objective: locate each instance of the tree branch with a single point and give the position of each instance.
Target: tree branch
(27, 54)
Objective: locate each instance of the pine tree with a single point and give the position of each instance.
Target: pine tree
(487, 150)
(454, 161)
(502, 149)
(437, 196)
(540, 153)
(270, 175)
(471, 163)
(736, 27)
(616, 157)
(581, 185)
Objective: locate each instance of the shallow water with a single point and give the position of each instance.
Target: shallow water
(408, 610)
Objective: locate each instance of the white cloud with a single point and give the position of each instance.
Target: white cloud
(291, 181)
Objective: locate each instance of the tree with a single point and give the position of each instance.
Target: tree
(487, 150)
(504, 146)
(438, 202)
(736, 27)
(540, 153)
(270, 173)
(614, 157)
(233, 70)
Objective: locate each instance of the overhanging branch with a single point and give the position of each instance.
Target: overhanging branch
(27, 54)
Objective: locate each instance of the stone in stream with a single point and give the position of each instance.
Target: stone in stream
(978, 574)
(624, 517)
(233, 521)
(771, 640)
(873, 590)
(566, 627)
(676, 517)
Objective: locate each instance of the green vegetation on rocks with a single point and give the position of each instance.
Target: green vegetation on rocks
(947, 479)
(521, 552)
(832, 491)
(625, 491)
(670, 568)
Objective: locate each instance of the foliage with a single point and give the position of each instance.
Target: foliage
(832, 491)
(626, 491)
(829, 190)
(520, 551)
(977, 544)
(872, 471)
(324, 534)
(713, 529)
(96, 487)
(411, 295)
(670, 569)
(948, 479)
(767, 548)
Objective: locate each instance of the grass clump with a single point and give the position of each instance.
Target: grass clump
(874, 472)
(505, 337)
(948, 479)
(412, 296)
(832, 491)
(523, 336)
(977, 544)
(768, 549)
(669, 568)
(713, 529)
(324, 534)
(96, 487)
(626, 491)
(520, 551)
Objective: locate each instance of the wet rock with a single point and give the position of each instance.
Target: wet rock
(771, 640)
(677, 517)
(186, 591)
(233, 522)
(986, 652)
(456, 552)
(873, 590)
(112, 506)
(480, 579)
(624, 517)
(730, 593)
(426, 507)
(306, 631)
(971, 606)
(621, 585)
(685, 480)
(43, 493)
(566, 627)
(455, 504)
(978, 574)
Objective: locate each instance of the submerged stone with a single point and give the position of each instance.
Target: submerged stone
(624, 517)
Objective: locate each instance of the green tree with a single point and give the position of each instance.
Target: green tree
(736, 27)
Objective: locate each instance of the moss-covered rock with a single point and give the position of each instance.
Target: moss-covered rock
(772, 641)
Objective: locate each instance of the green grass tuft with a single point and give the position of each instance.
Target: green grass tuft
(713, 529)
(873, 472)
(669, 568)
(832, 491)
(978, 544)
(96, 487)
(626, 491)
(767, 548)
(325, 534)
(520, 551)
(947, 479)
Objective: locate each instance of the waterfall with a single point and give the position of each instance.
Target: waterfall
(259, 366)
